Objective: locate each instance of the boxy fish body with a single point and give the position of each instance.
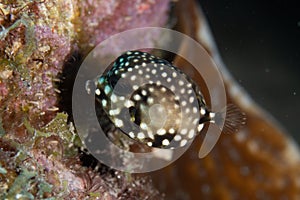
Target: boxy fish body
(152, 101)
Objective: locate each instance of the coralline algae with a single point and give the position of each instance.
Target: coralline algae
(39, 157)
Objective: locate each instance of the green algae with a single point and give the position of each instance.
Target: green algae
(2, 170)
(66, 132)
(24, 185)
(2, 131)
(21, 186)
(59, 125)
(29, 178)
(44, 187)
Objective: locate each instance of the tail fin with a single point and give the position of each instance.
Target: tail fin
(230, 120)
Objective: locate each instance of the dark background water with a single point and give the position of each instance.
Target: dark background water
(260, 43)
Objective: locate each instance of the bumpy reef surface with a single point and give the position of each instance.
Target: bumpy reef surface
(39, 155)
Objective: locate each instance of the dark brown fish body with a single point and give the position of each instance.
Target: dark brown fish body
(152, 101)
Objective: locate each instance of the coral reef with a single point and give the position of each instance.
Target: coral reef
(38, 147)
(40, 153)
(110, 17)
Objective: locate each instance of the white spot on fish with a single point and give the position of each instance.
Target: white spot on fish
(98, 92)
(114, 112)
(183, 142)
(104, 103)
(172, 130)
(202, 111)
(150, 100)
(144, 92)
(135, 87)
(191, 99)
(119, 123)
(144, 126)
(141, 135)
(195, 110)
(113, 98)
(133, 78)
(191, 134)
(200, 127)
(165, 142)
(177, 138)
(131, 134)
(128, 103)
(183, 132)
(161, 131)
(137, 97)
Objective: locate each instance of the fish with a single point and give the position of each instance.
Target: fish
(155, 103)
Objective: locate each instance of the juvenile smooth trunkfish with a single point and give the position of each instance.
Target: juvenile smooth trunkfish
(153, 102)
